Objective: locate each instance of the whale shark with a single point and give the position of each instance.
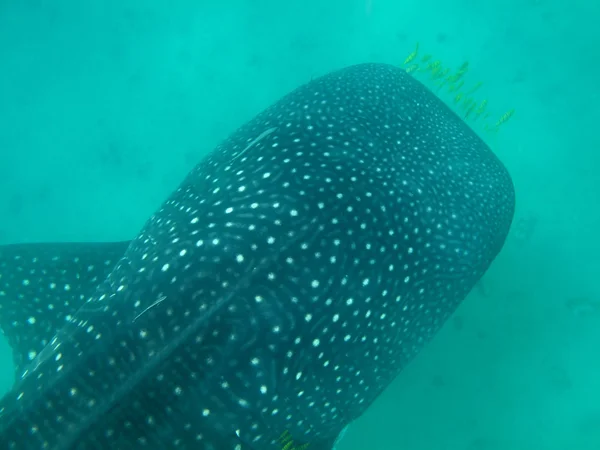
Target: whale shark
(275, 294)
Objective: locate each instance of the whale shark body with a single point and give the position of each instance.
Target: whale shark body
(277, 292)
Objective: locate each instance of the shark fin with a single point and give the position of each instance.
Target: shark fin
(41, 285)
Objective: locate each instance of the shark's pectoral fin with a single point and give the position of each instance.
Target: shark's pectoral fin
(41, 285)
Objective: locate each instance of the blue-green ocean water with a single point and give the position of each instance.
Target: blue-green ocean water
(105, 105)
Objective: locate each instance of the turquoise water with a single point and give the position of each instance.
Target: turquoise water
(104, 106)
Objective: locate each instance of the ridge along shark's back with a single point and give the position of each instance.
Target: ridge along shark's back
(279, 289)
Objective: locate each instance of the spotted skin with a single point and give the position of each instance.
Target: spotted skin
(42, 285)
(286, 282)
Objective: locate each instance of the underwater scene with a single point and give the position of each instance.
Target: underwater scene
(301, 225)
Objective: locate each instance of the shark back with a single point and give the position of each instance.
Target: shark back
(286, 282)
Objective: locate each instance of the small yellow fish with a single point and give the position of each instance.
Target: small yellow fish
(505, 117)
(480, 109)
(470, 110)
(456, 87)
(474, 88)
(431, 66)
(439, 73)
(464, 67)
(288, 443)
(455, 77)
(467, 103)
(454, 82)
(412, 68)
(412, 56)
(442, 83)
(285, 437)
(462, 70)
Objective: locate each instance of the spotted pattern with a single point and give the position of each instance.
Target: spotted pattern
(42, 285)
(283, 285)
